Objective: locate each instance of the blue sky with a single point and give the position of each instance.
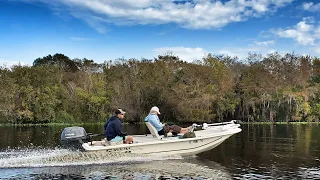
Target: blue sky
(109, 29)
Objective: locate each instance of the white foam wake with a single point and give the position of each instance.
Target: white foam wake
(63, 157)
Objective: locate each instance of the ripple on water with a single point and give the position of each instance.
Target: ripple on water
(64, 164)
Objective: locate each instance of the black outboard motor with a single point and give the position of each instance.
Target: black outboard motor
(74, 137)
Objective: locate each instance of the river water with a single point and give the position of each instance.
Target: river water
(258, 152)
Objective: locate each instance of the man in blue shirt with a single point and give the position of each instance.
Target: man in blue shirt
(113, 128)
(163, 129)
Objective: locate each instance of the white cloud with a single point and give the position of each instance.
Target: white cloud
(184, 53)
(317, 32)
(304, 27)
(9, 63)
(317, 49)
(264, 43)
(190, 54)
(241, 53)
(307, 5)
(194, 14)
(306, 32)
(310, 6)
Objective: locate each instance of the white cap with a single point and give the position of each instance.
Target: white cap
(155, 108)
(119, 111)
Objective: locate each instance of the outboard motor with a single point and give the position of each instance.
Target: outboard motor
(74, 137)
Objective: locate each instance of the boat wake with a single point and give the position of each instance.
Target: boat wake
(64, 157)
(66, 164)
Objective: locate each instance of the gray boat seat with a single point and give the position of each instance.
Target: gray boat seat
(154, 131)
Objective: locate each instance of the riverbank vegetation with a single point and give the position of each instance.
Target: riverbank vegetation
(57, 89)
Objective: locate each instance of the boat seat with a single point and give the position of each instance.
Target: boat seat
(154, 131)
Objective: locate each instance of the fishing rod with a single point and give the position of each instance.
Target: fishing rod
(206, 125)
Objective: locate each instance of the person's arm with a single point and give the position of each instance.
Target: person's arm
(160, 123)
(118, 129)
(105, 125)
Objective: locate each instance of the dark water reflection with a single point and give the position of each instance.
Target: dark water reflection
(258, 152)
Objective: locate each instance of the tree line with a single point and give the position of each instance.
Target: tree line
(57, 89)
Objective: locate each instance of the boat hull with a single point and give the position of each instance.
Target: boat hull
(146, 144)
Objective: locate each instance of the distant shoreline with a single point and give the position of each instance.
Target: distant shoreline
(101, 123)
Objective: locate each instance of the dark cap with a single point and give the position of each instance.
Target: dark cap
(119, 111)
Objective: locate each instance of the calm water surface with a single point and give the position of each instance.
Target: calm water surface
(258, 152)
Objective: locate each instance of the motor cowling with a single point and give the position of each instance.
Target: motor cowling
(73, 137)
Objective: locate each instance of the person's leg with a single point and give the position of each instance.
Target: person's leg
(175, 129)
(166, 130)
(178, 129)
(116, 139)
(129, 139)
(184, 130)
(161, 132)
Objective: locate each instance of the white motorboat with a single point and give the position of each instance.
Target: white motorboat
(209, 137)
